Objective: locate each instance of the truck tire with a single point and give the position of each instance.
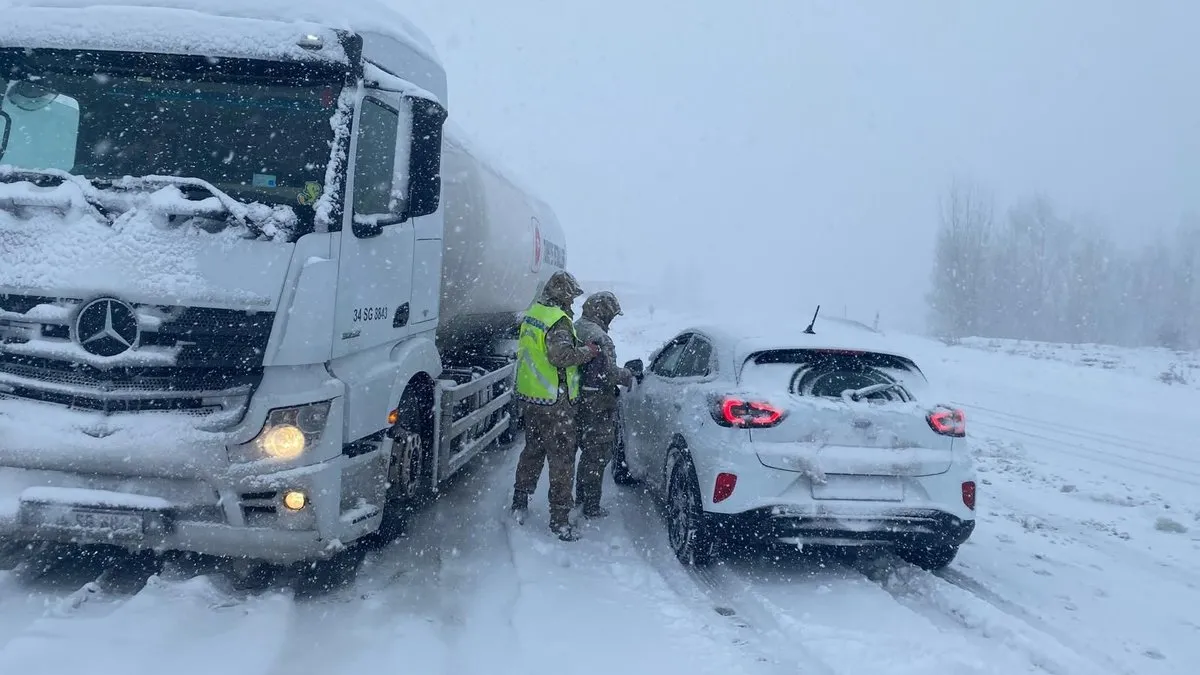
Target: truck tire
(411, 450)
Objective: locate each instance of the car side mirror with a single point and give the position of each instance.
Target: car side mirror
(635, 366)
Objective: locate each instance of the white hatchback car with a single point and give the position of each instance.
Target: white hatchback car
(830, 438)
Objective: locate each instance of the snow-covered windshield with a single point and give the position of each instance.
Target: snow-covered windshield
(257, 138)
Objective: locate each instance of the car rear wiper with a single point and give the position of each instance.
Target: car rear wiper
(52, 178)
(860, 394)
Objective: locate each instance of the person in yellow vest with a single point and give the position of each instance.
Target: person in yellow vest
(548, 385)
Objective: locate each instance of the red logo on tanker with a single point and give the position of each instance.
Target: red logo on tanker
(537, 245)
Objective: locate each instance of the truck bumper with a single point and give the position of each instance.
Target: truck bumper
(246, 519)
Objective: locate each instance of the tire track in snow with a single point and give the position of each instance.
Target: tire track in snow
(954, 606)
(413, 600)
(822, 619)
(961, 580)
(1115, 460)
(1106, 438)
(706, 590)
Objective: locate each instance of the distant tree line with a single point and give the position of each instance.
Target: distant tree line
(1035, 275)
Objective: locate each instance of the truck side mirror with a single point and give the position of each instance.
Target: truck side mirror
(408, 142)
(425, 159)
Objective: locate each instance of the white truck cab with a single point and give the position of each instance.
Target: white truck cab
(233, 320)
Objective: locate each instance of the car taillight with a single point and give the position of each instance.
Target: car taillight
(948, 422)
(723, 487)
(736, 412)
(968, 494)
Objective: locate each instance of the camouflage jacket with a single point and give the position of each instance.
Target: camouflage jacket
(603, 374)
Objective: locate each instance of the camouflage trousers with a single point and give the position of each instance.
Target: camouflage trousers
(597, 436)
(550, 438)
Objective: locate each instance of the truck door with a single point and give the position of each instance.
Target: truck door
(375, 269)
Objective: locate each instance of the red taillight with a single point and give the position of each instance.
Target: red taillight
(968, 492)
(723, 488)
(948, 422)
(736, 412)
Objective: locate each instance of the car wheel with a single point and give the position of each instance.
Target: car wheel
(931, 557)
(687, 531)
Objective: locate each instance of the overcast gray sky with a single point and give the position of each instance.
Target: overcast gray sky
(782, 152)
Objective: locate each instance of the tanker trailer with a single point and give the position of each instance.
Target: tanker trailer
(500, 244)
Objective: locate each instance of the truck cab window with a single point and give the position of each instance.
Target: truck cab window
(44, 126)
(377, 129)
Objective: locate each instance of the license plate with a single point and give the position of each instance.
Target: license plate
(87, 520)
(860, 488)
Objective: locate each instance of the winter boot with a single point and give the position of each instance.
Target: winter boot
(520, 507)
(565, 532)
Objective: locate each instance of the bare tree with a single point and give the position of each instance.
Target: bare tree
(1039, 276)
(960, 267)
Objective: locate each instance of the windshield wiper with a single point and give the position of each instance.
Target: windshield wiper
(230, 208)
(53, 178)
(860, 394)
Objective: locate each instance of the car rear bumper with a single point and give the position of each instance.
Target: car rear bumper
(904, 527)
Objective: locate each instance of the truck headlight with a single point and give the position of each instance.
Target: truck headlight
(288, 432)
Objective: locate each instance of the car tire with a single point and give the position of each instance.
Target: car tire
(687, 530)
(930, 557)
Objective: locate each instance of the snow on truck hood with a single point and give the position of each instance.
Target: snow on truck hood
(76, 255)
(266, 29)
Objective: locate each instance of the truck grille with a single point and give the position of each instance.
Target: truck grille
(205, 360)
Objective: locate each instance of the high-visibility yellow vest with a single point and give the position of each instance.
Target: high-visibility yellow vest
(537, 380)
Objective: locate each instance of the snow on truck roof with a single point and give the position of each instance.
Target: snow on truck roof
(267, 29)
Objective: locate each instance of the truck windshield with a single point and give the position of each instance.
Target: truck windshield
(259, 140)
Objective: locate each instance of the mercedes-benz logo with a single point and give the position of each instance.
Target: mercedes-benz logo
(107, 327)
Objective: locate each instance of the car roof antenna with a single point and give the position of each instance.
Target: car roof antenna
(809, 330)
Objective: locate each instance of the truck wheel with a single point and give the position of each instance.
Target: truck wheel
(404, 477)
(509, 435)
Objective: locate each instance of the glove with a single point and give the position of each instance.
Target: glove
(594, 349)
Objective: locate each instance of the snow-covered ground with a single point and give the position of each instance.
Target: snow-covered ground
(1084, 562)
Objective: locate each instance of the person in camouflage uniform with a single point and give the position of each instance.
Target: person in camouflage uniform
(597, 411)
(548, 410)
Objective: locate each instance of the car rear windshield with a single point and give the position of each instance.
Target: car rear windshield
(831, 373)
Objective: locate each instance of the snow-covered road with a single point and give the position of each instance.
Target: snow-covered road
(1085, 562)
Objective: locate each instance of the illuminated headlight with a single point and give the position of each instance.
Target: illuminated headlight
(287, 434)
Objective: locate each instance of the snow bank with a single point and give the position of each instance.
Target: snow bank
(1171, 367)
(267, 29)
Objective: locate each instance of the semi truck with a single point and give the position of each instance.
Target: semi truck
(257, 295)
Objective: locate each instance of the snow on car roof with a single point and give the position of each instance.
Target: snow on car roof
(267, 29)
(748, 336)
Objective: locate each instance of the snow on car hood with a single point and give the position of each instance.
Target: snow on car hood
(54, 242)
